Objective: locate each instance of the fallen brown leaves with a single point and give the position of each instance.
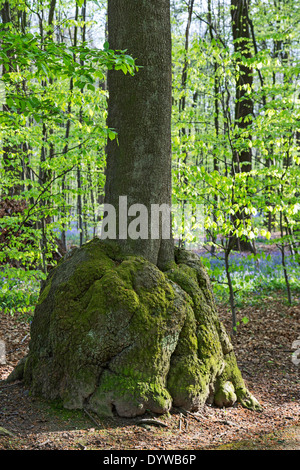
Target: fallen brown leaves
(263, 349)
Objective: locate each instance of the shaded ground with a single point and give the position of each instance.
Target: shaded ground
(281, 439)
(264, 351)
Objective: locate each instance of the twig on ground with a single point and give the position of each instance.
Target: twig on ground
(91, 418)
(192, 415)
(155, 422)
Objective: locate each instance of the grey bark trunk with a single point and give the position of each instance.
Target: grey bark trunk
(139, 109)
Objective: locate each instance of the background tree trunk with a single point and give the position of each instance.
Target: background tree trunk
(244, 81)
(242, 158)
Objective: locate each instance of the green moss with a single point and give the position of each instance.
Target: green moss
(232, 374)
(129, 396)
(45, 292)
(225, 395)
(213, 365)
(113, 331)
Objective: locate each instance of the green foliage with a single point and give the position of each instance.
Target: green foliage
(238, 203)
(50, 87)
(53, 134)
(253, 276)
(19, 291)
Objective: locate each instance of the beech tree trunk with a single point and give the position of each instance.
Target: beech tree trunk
(139, 109)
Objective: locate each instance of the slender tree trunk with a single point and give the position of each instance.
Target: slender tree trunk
(216, 115)
(182, 102)
(231, 290)
(139, 109)
(244, 82)
(67, 134)
(45, 175)
(79, 184)
(283, 260)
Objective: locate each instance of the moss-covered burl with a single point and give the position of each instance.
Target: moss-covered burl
(113, 333)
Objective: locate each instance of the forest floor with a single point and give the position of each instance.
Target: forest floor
(264, 351)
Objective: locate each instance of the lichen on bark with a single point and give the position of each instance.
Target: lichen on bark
(113, 333)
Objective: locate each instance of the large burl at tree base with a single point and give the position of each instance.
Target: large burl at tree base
(114, 334)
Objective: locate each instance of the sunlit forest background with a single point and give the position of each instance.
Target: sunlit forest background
(235, 140)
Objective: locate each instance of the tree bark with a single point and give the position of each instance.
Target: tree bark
(244, 82)
(242, 157)
(139, 109)
(10, 151)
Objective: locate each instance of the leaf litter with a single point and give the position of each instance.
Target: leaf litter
(263, 347)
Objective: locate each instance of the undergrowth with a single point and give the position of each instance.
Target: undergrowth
(254, 279)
